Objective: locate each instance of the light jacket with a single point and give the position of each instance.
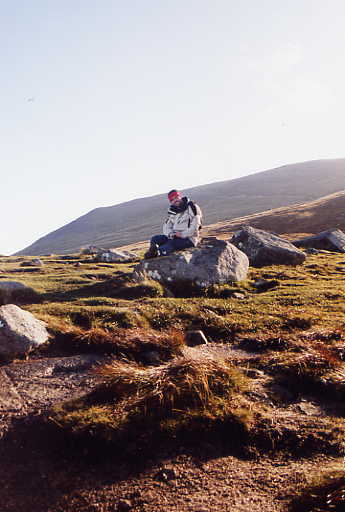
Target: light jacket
(186, 223)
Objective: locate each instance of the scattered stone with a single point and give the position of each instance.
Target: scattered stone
(25, 270)
(36, 262)
(330, 240)
(194, 338)
(151, 357)
(124, 505)
(166, 474)
(231, 294)
(238, 295)
(116, 256)
(20, 331)
(264, 248)
(311, 250)
(262, 285)
(92, 249)
(68, 257)
(217, 262)
(253, 373)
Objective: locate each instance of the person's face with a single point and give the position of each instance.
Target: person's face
(176, 201)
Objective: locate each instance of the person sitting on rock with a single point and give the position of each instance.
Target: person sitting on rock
(181, 229)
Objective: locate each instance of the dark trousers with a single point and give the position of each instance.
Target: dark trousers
(168, 245)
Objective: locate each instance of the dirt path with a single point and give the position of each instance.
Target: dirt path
(36, 476)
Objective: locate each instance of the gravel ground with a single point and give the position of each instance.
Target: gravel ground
(36, 476)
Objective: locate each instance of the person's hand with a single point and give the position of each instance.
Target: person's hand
(178, 235)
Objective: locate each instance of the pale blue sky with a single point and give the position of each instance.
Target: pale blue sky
(103, 102)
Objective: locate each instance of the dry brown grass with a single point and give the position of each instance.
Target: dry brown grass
(135, 402)
(309, 368)
(132, 344)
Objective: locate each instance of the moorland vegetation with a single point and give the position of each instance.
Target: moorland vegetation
(270, 383)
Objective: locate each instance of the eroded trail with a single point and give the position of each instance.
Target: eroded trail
(37, 475)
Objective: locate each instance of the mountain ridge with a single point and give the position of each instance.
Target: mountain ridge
(138, 219)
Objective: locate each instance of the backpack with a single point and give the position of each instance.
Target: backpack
(193, 207)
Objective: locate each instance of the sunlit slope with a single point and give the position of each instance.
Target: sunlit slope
(138, 219)
(302, 218)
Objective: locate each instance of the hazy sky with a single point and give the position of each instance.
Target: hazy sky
(103, 102)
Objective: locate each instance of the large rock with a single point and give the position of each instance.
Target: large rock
(264, 248)
(330, 240)
(114, 256)
(15, 292)
(215, 262)
(20, 331)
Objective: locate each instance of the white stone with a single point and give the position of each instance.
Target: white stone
(20, 331)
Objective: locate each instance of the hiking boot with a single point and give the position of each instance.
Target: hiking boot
(153, 252)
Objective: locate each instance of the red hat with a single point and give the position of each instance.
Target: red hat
(174, 194)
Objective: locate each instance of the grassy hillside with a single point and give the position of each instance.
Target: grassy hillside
(136, 220)
(267, 392)
(312, 217)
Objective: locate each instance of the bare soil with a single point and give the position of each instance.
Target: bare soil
(39, 474)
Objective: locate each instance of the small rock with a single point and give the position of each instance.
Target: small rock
(36, 262)
(116, 256)
(262, 285)
(152, 357)
(253, 373)
(166, 474)
(238, 295)
(92, 249)
(194, 338)
(124, 505)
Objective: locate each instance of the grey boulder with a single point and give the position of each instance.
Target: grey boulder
(13, 291)
(330, 240)
(20, 331)
(92, 249)
(264, 248)
(213, 262)
(112, 256)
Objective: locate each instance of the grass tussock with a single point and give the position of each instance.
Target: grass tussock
(136, 402)
(316, 368)
(136, 344)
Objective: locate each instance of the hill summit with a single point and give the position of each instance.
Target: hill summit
(136, 220)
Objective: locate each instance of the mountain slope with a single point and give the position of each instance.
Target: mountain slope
(135, 220)
(312, 217)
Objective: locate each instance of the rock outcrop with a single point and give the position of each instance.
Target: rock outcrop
(330, 240)
(264, 248)
(20, 332)
(213, 262)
